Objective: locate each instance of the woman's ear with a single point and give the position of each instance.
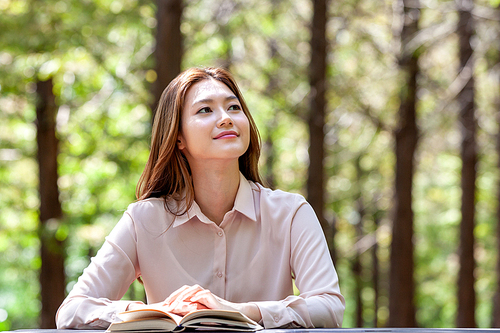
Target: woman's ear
(180, 142)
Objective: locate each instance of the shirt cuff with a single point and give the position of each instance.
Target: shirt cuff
(281, 313)
(105, 318)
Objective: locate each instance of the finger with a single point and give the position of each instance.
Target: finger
(179, 293)
(202, 294)
(185, 295)
(206, 298)
(185, 307)
(200, 306)
(174, 295)
(180, 309)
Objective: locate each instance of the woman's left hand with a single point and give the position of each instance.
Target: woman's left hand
(179, 302)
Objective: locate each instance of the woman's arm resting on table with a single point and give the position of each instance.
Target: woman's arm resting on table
(95, 299)
(320, 303)
(88, 313)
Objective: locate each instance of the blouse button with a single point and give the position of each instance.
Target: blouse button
(219, 274)
(220, 233)
(276, 318)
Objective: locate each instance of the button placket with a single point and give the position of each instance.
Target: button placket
(220, 261)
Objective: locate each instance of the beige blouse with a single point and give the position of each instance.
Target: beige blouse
(265, 240)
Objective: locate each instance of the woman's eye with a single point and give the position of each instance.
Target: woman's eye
(204, 110)
(234, 107)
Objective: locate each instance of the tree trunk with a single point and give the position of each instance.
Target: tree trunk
(401, 292)
(357, 265)
(466, 293)
(316, 122)
(169, 49)
(271, 92)
(356, 270)
(495, 322)
(52, 277)
(375, 272)
(270, 152)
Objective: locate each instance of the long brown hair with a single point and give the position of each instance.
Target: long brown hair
(167, 172)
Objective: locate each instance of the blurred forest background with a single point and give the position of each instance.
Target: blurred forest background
(384, 114)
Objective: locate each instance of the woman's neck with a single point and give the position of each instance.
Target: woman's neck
(215, 188)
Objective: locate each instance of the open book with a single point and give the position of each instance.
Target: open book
(156, 320)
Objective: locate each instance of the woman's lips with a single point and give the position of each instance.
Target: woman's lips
(227, 135)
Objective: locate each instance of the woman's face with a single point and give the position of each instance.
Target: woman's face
(214, 125)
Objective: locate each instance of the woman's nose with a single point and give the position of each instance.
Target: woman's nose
(224, 120)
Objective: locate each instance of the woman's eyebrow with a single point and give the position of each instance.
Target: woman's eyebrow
(210, 100)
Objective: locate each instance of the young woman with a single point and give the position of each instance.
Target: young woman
(204, 232)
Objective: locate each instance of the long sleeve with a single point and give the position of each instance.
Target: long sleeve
(320, 303)
(95, 299)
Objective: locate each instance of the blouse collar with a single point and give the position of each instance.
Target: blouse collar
(243, 203)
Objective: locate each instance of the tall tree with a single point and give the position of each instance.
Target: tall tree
(52, 277)
(401, 293)
(169, 45)
(375, 267)
(357, 265)
(317, 107)
(495, 320)
(270, 152)
(496, 297)
(271, 91)
(468, 124)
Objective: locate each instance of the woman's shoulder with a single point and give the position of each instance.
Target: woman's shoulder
(278, 209)
(151, 215)
(151, 208)
(277, 197)
(145, 204)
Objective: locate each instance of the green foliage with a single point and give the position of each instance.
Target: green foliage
(97, 52)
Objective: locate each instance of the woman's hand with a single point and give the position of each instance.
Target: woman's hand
(190, 298)
(180, 301)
